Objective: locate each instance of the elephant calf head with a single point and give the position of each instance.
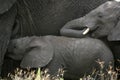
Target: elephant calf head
(18, 48)
(100, 22)
(27, 49)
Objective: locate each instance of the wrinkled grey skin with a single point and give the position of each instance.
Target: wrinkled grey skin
(76, 56)
(103, 22)
(20, 18)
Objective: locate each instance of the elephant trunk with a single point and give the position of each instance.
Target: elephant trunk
(78, 27)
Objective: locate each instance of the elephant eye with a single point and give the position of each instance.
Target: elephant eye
(29, 49)
(100, 15)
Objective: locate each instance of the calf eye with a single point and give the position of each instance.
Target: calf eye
(29, 49)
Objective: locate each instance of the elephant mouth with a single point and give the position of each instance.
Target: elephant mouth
(97, 32)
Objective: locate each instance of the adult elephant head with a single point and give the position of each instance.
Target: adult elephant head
(103, 23)
(100, 22)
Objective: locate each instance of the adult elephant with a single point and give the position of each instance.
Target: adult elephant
(103, 22)
(20, 18)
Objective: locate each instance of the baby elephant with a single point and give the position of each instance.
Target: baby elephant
(76, 56)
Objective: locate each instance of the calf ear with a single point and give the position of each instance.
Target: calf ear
(38, 55)
(115, 33)
(5, 5)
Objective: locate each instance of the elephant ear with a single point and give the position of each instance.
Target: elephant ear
(115, 33)
(39, 55)
(5, 5)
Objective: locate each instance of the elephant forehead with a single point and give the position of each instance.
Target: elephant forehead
(108, 5)
(21, 41)
(111, 4)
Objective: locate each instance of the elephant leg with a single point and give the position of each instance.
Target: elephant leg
(115, 47)
(6, 25)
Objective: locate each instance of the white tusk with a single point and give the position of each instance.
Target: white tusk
(117, 0)
(86, 31)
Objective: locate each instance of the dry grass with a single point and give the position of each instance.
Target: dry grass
(28, 74)
(110, 73)
(32, 75)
